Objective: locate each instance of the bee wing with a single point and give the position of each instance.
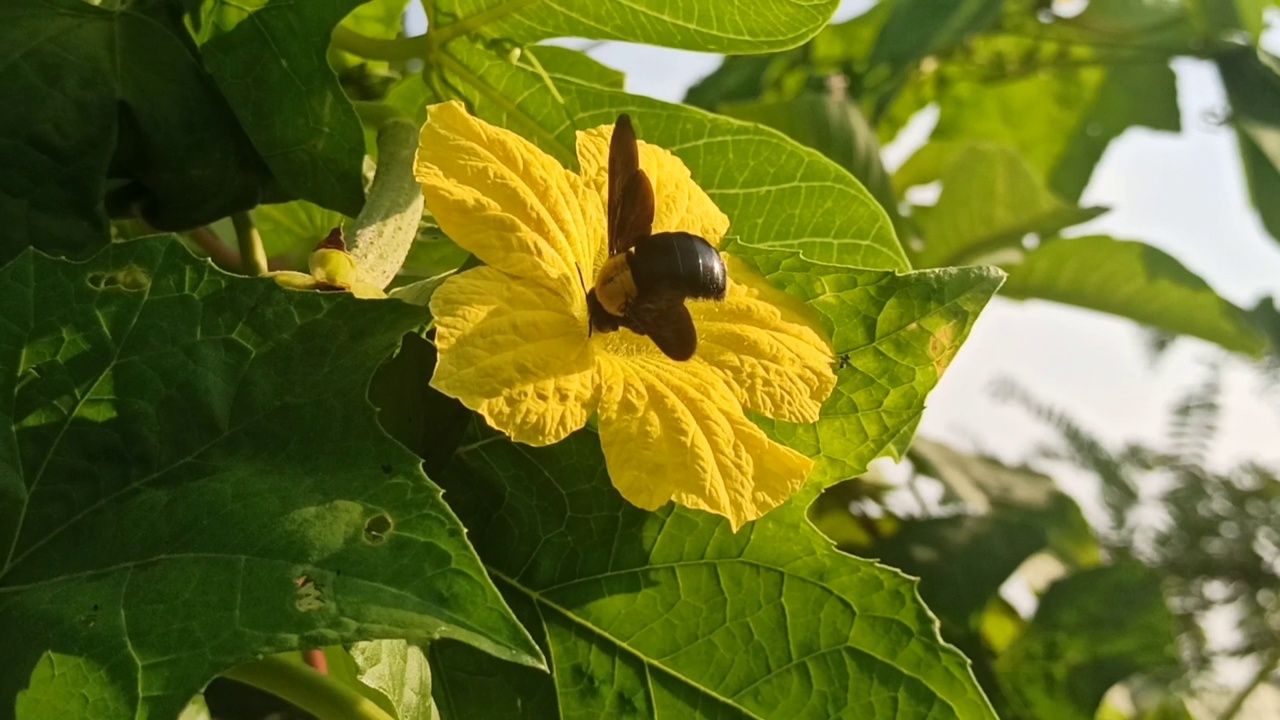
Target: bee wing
(668, 324)
(630, 194)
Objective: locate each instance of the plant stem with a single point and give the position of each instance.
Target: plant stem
(253, 258)
(374, 115)
(301, 685)
(212, 245)
(380, 238)
(399, 49)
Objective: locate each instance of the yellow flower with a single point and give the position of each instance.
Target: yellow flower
(331, 269)
(515, 344)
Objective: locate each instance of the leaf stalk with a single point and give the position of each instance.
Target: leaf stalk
(309, 690)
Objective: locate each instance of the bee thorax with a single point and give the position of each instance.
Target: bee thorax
(615, 288)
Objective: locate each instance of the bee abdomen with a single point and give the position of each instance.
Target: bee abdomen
(677, 263)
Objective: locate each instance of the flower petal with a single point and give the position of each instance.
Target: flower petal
(763, 344)
(674, 431)
(679, 203)
(333, 267)
(513, 352)
(293, 280)
(501, 198)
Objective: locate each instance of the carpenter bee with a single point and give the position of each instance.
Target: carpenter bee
(648, 276)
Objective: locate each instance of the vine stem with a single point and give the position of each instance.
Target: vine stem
(398, 49)
(380, 237)
(211, 244)
(253, 258)
(301, 685)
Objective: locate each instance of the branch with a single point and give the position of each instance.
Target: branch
(253, 258)
(371, 48)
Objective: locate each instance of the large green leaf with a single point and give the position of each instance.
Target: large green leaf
(670, 614)
(110, 112)
(990, 200)
(796, 200)
(269, 59)
(1252, 80)
(1092, 630)
(192, 477)
(294, 228)
(1133, 280)
(894, 336)
(743, 26)
(829, 123)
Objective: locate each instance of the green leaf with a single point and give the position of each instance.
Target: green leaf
(116, 117)
(990, 200)
(963, 559)
(986, 485)
(741, 78)
(893, 334)
(1092, 630)
(565, 64)
(670, 614)
(798, 200)
(294, 228)
(917, 28)
(1252, 80)
(723, 26)
(269, 59)
(192, 478)
(432, 254)
(830, 124)
(378, 18)
(1136, 281)
(398, 670)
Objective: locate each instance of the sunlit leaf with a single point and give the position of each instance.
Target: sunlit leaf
(990, 200)
(670, 614)
(295, 227)
(1133, 280)
(894, 336)
(192, 478)
(829, 123)
(706, 25)
(398, 670)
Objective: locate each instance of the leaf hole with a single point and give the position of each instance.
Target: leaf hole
(387, 469)
(309, 596)
(376, 528)
(130, 278)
